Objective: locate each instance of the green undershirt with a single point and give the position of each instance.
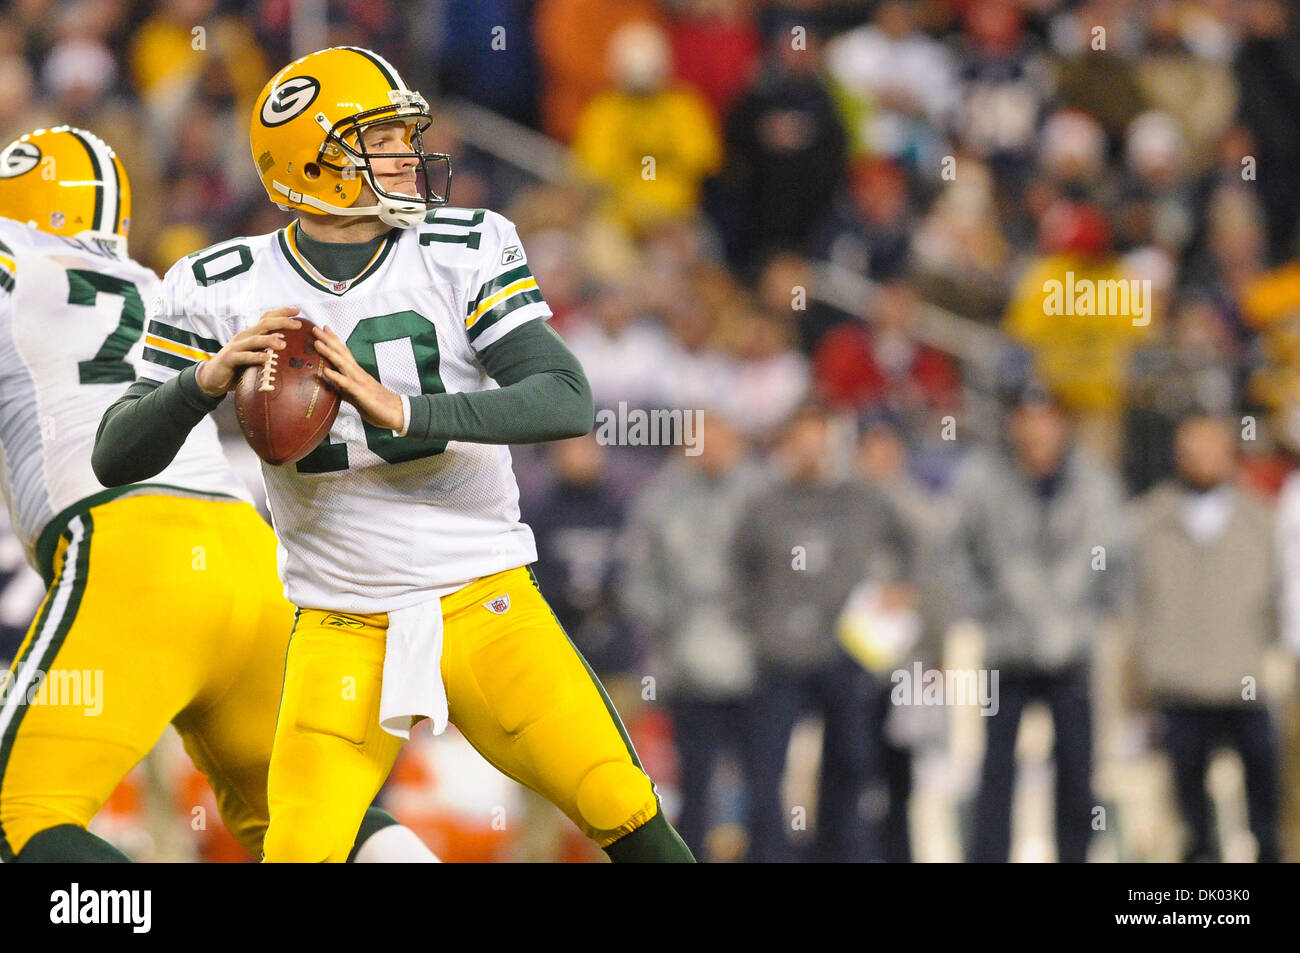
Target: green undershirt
(543, 395)
(337, 261)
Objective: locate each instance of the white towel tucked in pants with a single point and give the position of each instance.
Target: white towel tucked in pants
(413, 686)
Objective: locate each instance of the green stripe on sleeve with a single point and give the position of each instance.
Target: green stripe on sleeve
(513, 303)
(491, 287)
(167, 359)
(189, 339)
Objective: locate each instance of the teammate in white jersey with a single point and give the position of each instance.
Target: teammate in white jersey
(400, 535)
(163, 604)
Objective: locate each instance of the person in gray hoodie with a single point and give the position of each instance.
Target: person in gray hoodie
(1040, 545)
(1207, 608)
(884, 460)
(678, 584)
(803, 545)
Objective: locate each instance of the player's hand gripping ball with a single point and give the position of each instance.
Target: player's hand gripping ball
(286, 406)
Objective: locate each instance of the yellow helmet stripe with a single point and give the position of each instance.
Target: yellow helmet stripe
(108, 191)
(385, 67)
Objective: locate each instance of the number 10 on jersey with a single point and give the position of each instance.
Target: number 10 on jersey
(364, 343)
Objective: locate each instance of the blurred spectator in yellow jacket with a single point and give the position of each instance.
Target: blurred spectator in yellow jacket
(652, 142)
(573, 38)
(173, 50)
(1270, 303)
(1079, 311)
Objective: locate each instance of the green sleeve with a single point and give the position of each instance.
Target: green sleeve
(544, 395)
(144, 429)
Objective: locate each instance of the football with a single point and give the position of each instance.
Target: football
(286, 406)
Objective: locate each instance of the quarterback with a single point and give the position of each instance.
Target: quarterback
(400, 534)
(166, 590)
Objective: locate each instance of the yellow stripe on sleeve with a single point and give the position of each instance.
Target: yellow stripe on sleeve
(523, 284)
(163, 344)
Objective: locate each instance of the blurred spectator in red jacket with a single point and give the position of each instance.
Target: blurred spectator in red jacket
(716, 48)
(862, 366)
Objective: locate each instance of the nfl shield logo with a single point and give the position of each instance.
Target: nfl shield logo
(498, 605)
(56, 220)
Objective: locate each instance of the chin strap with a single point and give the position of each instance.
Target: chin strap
(390, 212)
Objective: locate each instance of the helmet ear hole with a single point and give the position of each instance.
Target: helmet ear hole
(311, 170)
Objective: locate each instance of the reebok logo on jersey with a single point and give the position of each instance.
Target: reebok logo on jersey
(499, 605)
(342, 622)
(512, 254)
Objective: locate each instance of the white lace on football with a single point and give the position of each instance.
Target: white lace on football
(267, 380)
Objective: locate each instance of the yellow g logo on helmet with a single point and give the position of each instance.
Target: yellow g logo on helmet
(66, 181)
(308, 144)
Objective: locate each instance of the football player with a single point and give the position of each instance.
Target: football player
(400, 534)
(163, 603)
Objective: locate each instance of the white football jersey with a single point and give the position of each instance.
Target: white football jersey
(372, 522)
(72, 316)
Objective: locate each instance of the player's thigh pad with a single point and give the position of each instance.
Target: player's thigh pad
(228, 731)
(523, 696)
(330, 757)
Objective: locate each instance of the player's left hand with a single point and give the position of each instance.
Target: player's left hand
(377, 404)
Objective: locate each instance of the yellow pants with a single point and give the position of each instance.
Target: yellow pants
(517, 689)
(162, 609)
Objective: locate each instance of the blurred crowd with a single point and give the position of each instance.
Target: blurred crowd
(842, 516)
